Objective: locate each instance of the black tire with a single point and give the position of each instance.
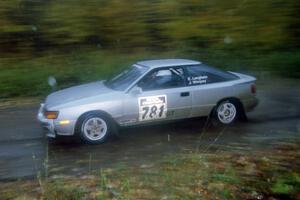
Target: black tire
(226, 112)
(94, 128)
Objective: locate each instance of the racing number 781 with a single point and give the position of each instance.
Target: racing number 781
(151, 111)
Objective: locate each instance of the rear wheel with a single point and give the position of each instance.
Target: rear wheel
(226, 112)
(95, 128)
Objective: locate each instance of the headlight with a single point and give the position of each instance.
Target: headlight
(51, 114)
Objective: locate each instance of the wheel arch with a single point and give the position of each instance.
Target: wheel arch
(83, 115)
(239, 103)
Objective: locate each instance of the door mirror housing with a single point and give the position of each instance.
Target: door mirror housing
(136, 91)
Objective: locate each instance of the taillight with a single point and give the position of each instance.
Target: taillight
(253, 88)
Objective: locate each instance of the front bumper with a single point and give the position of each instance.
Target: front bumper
(54, 127)
(47, 124)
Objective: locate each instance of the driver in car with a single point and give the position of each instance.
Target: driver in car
(158, 79)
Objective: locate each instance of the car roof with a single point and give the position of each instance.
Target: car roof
(167, 63)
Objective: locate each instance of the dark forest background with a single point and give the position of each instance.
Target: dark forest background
(79, 41)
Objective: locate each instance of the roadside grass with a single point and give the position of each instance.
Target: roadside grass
(14, 102)
(23, 76)
(28, 77)
(265, 174)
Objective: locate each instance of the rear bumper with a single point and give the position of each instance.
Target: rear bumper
(250, 104)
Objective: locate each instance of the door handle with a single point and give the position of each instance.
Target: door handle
(185, 94)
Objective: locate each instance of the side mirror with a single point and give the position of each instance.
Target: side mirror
(136, 91)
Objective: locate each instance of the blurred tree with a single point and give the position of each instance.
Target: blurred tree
(20, 22)
(37, 25)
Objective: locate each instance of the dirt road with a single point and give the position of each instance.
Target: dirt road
(24, 149)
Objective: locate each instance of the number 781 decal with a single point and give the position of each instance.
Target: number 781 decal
(152, 107)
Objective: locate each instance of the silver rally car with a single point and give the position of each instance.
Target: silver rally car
(149, 91)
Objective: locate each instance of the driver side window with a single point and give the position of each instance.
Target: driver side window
(162, 79)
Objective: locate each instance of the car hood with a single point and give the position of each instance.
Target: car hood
(76, 93)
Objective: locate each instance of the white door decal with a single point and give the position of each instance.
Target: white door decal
(152, 107)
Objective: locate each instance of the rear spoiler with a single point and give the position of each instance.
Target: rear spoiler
(245, 77)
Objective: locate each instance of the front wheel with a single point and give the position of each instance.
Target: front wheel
(95, 128)
(226, 112)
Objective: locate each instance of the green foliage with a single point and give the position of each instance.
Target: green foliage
(103, 179)
(142, 24)
(29, 77)
(226, 178)
(59, 191)
(288, 184)
(79, 41)
(125, 185)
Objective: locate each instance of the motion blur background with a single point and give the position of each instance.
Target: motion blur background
(79, 41)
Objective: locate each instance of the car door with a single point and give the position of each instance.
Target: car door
(163, 96)
(207, 86)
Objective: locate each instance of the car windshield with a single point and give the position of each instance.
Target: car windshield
(126, 78)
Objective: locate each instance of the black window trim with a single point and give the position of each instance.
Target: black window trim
(187, 73)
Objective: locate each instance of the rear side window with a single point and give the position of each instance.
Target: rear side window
(202, 74)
